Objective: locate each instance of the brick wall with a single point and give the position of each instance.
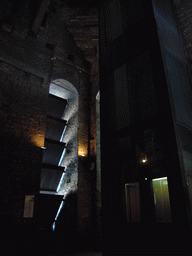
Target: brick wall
(23, 102)
(26, 69)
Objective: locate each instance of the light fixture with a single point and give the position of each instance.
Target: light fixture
(62, 157)
(163, 178)
(53, 226)
(62, 136)
(58, 212)
(60, 182)
(144, 158)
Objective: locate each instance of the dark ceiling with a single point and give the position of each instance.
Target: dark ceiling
(80, 17)
(83, 24)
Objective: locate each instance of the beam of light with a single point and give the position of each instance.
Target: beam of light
(60, 182)
(53, 226)
(62, 156)
(72, 186)
(61, 139)
(59, 210)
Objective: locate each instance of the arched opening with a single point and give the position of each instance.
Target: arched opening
(59, 174)
(69, 160)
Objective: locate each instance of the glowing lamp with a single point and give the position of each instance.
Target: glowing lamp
(144, 158)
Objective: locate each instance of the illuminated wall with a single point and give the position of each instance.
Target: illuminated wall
(63, 89)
